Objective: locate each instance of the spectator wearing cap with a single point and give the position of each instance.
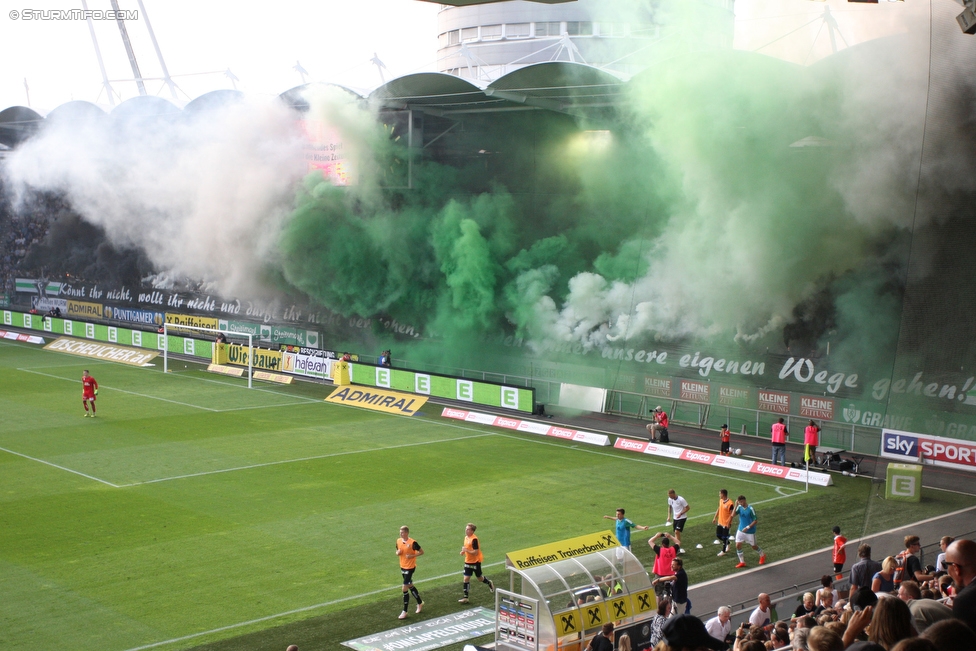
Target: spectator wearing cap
(863, 598)
(687, 633)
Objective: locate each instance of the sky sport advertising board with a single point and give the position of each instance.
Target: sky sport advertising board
(909, 447)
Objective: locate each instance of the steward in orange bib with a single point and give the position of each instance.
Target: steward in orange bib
(471, 550)
(408, 550)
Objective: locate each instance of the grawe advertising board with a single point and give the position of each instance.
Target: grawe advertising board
(935, 450)
(440, 386)
(717, 460)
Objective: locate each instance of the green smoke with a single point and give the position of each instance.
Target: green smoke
(696, 214)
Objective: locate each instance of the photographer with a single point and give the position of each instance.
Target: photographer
(677, 583)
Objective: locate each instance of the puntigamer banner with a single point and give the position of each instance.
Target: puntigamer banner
(145, 317)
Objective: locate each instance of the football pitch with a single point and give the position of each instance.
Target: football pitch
(193, 511)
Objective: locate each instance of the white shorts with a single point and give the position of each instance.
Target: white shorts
(743, 537)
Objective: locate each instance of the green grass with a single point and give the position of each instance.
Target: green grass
(194, 511)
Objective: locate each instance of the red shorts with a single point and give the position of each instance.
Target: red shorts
(88, 396)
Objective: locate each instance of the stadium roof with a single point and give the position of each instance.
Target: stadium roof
(17, 124)
(573, 88)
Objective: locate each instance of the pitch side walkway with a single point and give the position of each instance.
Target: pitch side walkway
(752, 446)
(782, 575)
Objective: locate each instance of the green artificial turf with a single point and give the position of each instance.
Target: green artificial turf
(193, 511)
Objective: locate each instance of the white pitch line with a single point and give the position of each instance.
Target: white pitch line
(54, 465)
(639, 460)
(180, 374)
(311, 458)
(134, 393)
(295, 611)
(284, 404)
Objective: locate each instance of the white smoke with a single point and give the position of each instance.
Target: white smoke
(202, 194)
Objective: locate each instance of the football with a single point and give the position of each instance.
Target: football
(738, 452)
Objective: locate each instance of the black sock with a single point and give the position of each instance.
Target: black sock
(413, 591)
(466, 588)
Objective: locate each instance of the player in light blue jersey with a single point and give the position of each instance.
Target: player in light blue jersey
(747, 531)
(623, 528)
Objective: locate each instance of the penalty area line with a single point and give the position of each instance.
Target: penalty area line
(132, 393)
(295, 611)
(54, 465)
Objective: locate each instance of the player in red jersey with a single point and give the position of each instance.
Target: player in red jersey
(89, 389)
(839, 553)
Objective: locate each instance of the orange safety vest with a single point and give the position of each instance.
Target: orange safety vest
(473, 557)
(724, 513)
(406, 547)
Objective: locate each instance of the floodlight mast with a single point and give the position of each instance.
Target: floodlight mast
(128, 48)
(98, 55)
